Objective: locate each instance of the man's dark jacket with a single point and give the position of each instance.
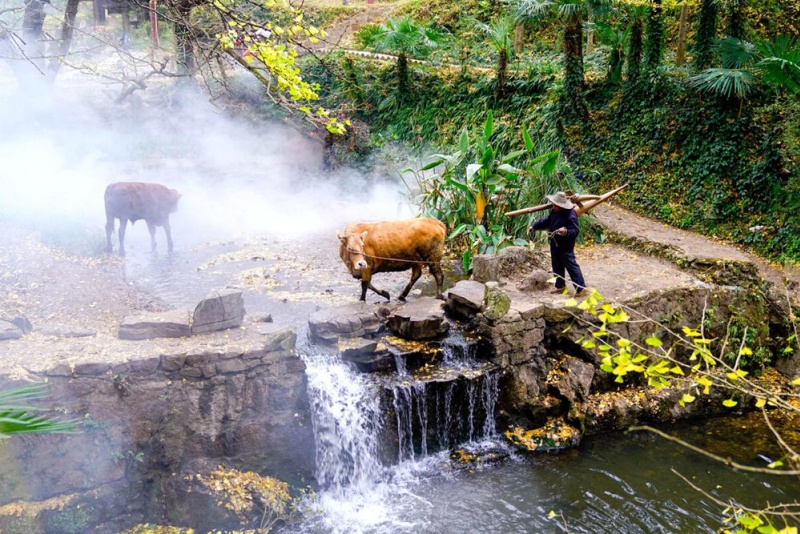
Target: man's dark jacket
(555, 220)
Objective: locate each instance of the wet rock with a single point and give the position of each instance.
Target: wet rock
(364, 354)
(261, 318)
(466, 298)
(221, 309)
(174, 323)
(497, 302)
(555, 435)
(509, 262)
(469, 457)
(65, 331)
(789, 365)
(575, 382)
(352, 320)
(418, 320)
(9, 330)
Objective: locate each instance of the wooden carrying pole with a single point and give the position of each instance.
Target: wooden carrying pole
(578, 200)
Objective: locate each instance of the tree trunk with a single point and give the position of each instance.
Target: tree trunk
(573, 67)
(30, 70)
(67, 28)
(706, 33)
(655, 36)
(502, 74)
(589, 34)
(635, 51)
(402, 76)
(520, 34)
(680, 53)
(734, 23)
(184, 46)
(154, 24)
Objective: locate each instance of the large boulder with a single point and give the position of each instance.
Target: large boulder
(419, 320)
(221, 309)
(466, 298)
(508, 263)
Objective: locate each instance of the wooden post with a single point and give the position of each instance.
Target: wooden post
(154, 23)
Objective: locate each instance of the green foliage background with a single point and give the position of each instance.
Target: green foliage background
(694, 160)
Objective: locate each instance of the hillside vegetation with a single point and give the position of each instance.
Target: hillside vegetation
(695, 104)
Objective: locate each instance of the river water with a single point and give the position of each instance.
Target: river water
(620, 483)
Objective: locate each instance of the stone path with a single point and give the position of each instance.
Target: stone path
(686, 247)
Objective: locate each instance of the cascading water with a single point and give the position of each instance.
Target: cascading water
(366, 473)
(347, 421)
(438, 415)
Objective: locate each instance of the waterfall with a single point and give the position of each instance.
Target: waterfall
(436, 415)
(458, 351)
(347, 422)
(354, 436)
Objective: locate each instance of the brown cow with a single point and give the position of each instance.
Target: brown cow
(370, 248)
(131, 201)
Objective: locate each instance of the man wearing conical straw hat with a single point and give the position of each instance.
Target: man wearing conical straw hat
(562, 226)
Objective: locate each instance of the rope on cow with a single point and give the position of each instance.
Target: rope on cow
(391, 259)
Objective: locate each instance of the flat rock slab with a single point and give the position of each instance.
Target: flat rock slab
(351, 320)
(173, 323)
(419, 320)
(466, 298)
(221, 309)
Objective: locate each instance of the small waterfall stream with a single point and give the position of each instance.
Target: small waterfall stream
(377, 436)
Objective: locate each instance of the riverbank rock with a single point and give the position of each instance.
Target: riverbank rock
(221, 309)
(510, 262)
(65, 331)
(173, 323)
(419, 320)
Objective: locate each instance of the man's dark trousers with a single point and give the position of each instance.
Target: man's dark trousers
(561, 260)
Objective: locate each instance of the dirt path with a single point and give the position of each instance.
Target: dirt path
(689, 247)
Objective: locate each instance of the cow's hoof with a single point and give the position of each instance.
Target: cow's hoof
(401, 298)
(439, 297)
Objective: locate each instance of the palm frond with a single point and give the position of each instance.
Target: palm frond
(735, 53)
(18, 419)
(531, 10)
(780, 63)
(727, 83)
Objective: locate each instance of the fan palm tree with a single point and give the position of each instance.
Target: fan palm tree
(404, 37)
(573, 13)
(775, 64)
(616, 37)
(19, 419)
(500, 33)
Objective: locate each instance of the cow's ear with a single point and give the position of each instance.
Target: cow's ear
(341, 237)
(363, 236)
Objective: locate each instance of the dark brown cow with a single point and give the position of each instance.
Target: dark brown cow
(131, 201)
(370, 248)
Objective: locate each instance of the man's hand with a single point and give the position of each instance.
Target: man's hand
(561, 231)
